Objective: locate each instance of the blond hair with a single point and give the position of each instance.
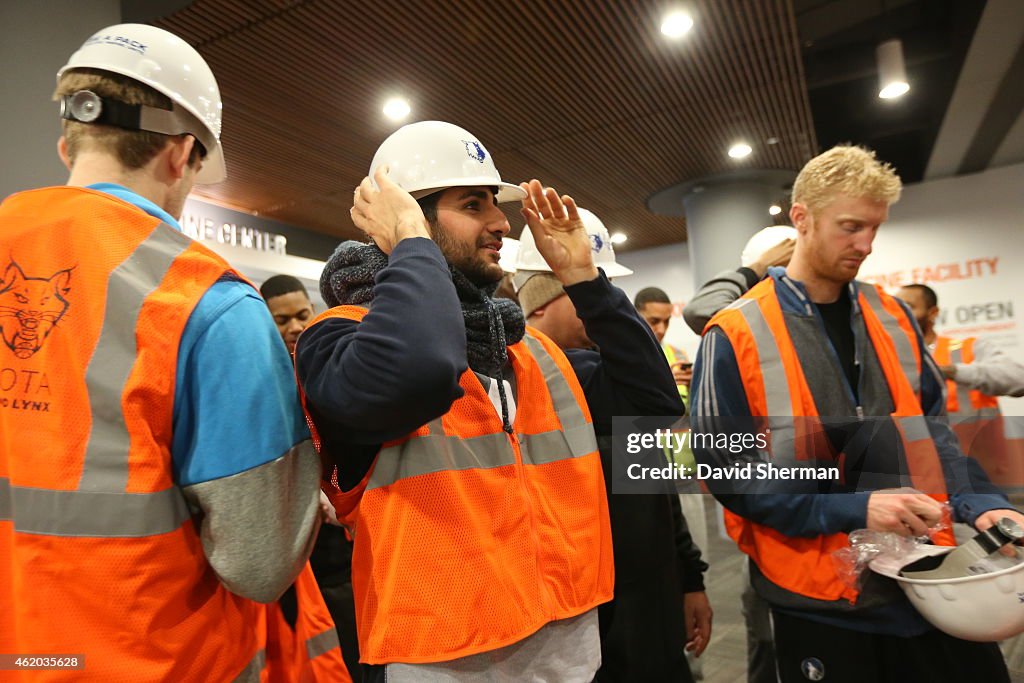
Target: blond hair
(133, 148)
(849, 170)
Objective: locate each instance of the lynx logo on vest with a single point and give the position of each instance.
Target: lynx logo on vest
(30, 307)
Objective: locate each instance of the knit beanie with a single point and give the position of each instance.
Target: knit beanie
(539, 290)
(348, 276)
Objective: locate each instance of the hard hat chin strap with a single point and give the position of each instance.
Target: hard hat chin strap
(85, 106)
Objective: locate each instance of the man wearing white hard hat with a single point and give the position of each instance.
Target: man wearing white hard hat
(461, 446)
(656, 561)
(541, 294)
(163, 483)
(771, 246)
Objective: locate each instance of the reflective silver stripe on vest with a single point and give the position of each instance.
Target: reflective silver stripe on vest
(915, 427)
(776, 385)
(965, 410)
(539, 449)
(322, 643)
(106, 457)
(569, 413)
(6, 507)
(438, 452)
(1013, 427)
(976, 415)
(546, 447)
(908, 361)
(92, 514)
(251, 672)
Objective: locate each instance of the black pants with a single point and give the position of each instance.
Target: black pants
(811, 651)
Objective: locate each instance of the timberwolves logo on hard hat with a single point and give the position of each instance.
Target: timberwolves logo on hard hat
(475, 150)
(813, 669)
(596, 243)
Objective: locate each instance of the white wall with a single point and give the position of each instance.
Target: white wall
(36, 39)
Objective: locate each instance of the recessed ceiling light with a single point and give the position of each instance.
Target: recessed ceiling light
(619, 238)
(740, 150)
(396, 109)
(894, 90)
(775, 209)
(676, 24)
(772, 141)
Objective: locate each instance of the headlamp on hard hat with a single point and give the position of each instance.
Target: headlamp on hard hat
(85, 106)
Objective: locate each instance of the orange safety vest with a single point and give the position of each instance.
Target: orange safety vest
(310, 652)
(974, 416)
(99, 555)
(777, 389)
(468, 539)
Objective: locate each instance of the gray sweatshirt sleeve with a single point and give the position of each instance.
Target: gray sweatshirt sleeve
(716, 294)
(258, 527)
(992, 372)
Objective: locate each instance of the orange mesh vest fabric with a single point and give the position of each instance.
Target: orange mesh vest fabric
(310, 652)
(976, 418)
(468, 539)
(98, 553)
(804, 565)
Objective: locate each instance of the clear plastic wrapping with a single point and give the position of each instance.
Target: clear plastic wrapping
(867, 545)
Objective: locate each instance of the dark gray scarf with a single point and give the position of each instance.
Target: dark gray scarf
(491, 324)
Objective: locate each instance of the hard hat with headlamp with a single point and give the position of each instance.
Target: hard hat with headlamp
(165, 63)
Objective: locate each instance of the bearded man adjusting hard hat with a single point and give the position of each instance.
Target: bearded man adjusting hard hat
(462, 446)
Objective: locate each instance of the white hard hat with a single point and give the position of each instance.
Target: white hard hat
(765, 239)
(530, 261)
(169, 65)
(508, 253)
(982, 607)
(430, 156)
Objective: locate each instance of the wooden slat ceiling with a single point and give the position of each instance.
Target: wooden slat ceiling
(586, 95)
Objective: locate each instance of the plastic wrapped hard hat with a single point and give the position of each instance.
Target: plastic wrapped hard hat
(530, 260)
(430, 156)
(983, 607)
(763, 240)
(169, 65)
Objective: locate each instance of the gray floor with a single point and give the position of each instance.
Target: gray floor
(725, 660)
